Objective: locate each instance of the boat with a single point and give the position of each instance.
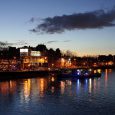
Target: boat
(79, 73)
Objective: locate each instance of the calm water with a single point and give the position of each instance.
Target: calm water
(49, 96)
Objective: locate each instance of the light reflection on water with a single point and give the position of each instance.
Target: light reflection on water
(47, 95)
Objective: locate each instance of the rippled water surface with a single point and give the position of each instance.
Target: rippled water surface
(45, 95)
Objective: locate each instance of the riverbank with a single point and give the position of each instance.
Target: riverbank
(8, 75)
(23, 74)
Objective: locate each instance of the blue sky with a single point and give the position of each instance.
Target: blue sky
(15, 25)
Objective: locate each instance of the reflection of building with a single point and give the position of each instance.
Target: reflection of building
(42, 86)
(7, 87)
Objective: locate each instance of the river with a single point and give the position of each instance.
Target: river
(45, 95)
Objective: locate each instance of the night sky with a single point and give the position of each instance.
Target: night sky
(86, 27)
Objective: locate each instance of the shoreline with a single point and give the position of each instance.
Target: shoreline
(9, 75)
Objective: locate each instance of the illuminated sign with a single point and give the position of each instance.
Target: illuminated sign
(23, 52)
(35, 53)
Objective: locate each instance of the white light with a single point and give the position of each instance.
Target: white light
(23, 50)
(35, 53)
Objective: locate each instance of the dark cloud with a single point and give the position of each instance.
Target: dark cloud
(67, 41)
(88, 20)
(3, 43)
(6, 44)
(34, 19)
(49, 42)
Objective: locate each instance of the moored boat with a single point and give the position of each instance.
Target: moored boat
(79, 73)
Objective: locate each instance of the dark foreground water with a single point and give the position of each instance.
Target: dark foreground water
(48, 96)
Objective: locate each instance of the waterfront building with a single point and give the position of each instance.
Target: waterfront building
(32, 60)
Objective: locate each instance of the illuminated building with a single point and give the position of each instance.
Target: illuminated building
(32, 60)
